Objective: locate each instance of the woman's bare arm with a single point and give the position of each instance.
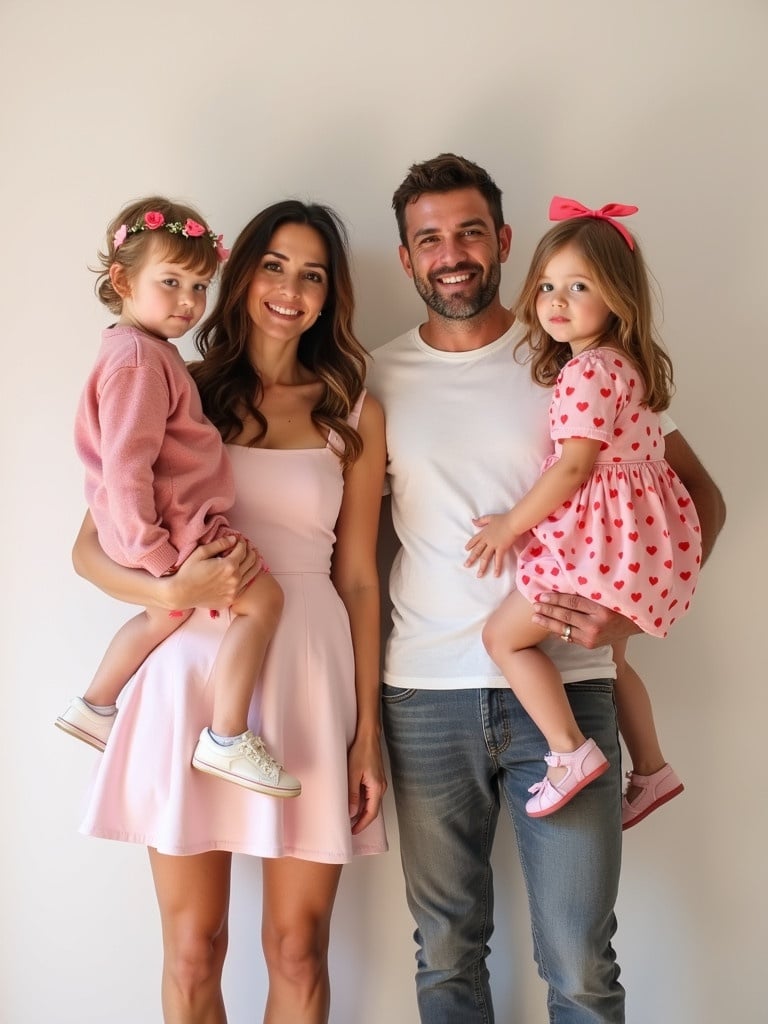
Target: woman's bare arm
(355, 576)
(212, 576)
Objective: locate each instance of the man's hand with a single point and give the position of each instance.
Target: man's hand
(592, 625)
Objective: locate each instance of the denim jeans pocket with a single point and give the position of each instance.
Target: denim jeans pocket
(396, 694)
(591, 686)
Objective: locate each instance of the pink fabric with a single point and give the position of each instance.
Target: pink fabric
(629, 538)
(565, 209)
(157, 478)
(145, 790)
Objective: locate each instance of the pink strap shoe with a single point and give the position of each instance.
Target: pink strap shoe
(655, 790)
(583, 766)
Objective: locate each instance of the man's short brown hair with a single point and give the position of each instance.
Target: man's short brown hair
(446, 173)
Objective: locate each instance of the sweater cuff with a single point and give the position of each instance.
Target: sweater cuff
(160, 560)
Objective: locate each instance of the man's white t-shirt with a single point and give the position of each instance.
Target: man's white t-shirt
(467, 433)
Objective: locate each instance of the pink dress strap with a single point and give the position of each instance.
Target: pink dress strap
(334, 441)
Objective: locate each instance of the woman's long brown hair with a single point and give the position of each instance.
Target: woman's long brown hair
(230, 386)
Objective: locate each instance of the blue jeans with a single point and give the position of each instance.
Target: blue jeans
(453, 754)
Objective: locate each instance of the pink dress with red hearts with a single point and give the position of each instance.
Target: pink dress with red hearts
(629, 538)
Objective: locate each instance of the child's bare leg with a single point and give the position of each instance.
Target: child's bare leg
(652, 781)
(241, 655)
(635, 714)
(132, 643)
(509, 637)
(229, 750)
(91, 718)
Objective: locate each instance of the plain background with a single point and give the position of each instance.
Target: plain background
(234, 105)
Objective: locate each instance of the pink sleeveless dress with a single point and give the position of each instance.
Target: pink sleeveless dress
(630, 538)
(145, 790)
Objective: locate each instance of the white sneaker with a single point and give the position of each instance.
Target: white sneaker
(246, 763)
(86, 725)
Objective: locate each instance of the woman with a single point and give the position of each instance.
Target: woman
(281, 377)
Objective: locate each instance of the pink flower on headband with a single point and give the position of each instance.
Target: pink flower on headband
(192, 229)
(221, 252)
(154, 220)
(120, 236)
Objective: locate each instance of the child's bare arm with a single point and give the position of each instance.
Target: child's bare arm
(563, 478)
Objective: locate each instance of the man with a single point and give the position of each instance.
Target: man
(466, 435)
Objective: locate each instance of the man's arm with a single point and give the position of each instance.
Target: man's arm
(591, 624)
(706, 495)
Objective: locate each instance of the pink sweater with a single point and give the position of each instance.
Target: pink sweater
(157, 476)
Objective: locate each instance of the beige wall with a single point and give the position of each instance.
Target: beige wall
(234, 105)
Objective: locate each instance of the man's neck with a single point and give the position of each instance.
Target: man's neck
(466, 335)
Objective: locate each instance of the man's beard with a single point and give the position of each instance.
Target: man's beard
(461, 307)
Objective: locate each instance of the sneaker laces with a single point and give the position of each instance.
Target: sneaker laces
(253, 748)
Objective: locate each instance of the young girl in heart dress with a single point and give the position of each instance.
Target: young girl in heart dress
(609, 519)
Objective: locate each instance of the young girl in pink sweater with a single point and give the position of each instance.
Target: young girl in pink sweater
(158, 481)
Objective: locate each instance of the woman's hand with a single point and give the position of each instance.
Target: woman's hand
(215, 574)
(491, 543)
(592, 625)
(204, 580)
(367, 782)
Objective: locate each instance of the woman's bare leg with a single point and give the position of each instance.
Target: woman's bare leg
(298, 901)
(193, 897)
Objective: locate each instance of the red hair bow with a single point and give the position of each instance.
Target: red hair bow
(564, 209)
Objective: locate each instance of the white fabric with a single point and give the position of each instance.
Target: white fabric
(467, 433)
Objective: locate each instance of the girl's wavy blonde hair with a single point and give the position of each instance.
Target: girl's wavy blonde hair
(622, 280)
(196, 254)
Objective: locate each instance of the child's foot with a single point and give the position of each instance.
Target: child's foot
(582, 767)
(85, 724)
(246, 763)
(647, 792)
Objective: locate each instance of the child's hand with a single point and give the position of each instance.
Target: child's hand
(492, 542)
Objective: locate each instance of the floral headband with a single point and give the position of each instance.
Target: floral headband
(189, 229)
